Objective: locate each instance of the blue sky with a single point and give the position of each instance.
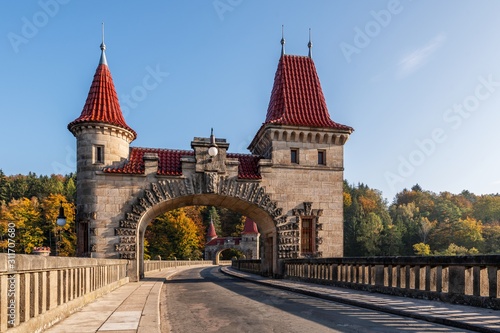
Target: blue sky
(418, 80)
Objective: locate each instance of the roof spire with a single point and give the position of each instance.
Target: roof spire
(211, 234)
(310, 44)
(103, 60)
(282, 40)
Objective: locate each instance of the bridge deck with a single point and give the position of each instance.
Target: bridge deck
(134, 306)
(460, 316)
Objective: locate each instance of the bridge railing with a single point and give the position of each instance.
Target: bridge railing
(247, 265)
(472, 280)
(36, 291)
(156, 265)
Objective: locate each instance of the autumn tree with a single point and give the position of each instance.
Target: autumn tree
(491, 236)
(367, 223)
(422, 249)
(25, 214)
(487, 209)
(174, 235)
(61, 238)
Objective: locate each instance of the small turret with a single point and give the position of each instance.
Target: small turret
(103, 139)
(211, 234)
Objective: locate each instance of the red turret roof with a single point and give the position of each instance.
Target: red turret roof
(297, 98)
(211, 234)
(102, 104)
(250, 227)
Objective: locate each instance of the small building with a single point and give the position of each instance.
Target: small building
(248, 243)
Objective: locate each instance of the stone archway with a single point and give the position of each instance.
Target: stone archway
(246, 197)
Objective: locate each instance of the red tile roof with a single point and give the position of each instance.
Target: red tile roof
(297, 97)
(250, 227)
(102, 104)
(248, 167)
(169, 163)
(222, 241)
(211, 234)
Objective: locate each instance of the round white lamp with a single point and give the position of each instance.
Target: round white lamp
(212, 150)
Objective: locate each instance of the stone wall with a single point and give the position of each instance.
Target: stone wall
(295, 186)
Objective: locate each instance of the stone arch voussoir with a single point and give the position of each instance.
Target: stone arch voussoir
(199, 183)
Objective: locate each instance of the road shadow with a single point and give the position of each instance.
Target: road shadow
(334, 316)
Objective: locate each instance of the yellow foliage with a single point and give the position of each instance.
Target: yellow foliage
(422, 249)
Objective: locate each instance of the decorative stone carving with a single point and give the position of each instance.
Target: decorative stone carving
(124, 232)
(124, 248)
(127, 239)
(199, 183)
(128, 224)
(127, 255)
(210, 182)
(93, 247)
(299, 213)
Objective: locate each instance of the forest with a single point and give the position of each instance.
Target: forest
(417, 222)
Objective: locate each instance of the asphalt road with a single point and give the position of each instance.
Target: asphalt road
(205, 300)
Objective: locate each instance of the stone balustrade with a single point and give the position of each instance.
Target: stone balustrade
(156, 265)
(472, 280)
(37, 291)
(247, 265)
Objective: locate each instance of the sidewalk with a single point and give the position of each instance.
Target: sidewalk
(134, 307)
(460, 316)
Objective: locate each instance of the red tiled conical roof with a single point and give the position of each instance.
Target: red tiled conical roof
(211, 234)
(102, 104)
(250, 227)
(297, 98)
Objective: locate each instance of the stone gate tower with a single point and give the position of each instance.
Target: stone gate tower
(290, 184)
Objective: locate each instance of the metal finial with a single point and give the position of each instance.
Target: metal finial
(103, 60)
(310, 44)
(282, 40)
(103, 46)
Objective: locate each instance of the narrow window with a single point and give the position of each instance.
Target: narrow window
(321, 157)
(98, 154)
(294, 156)
(307, 235)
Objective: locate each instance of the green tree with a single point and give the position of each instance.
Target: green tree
(4, 188)
(211, 214)
(491, 235)
(368, 227)
(70, 188)
(391, 240)
(487, 209)
(368, 237)
(232, 223)
(406, 217)
(18, 187)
